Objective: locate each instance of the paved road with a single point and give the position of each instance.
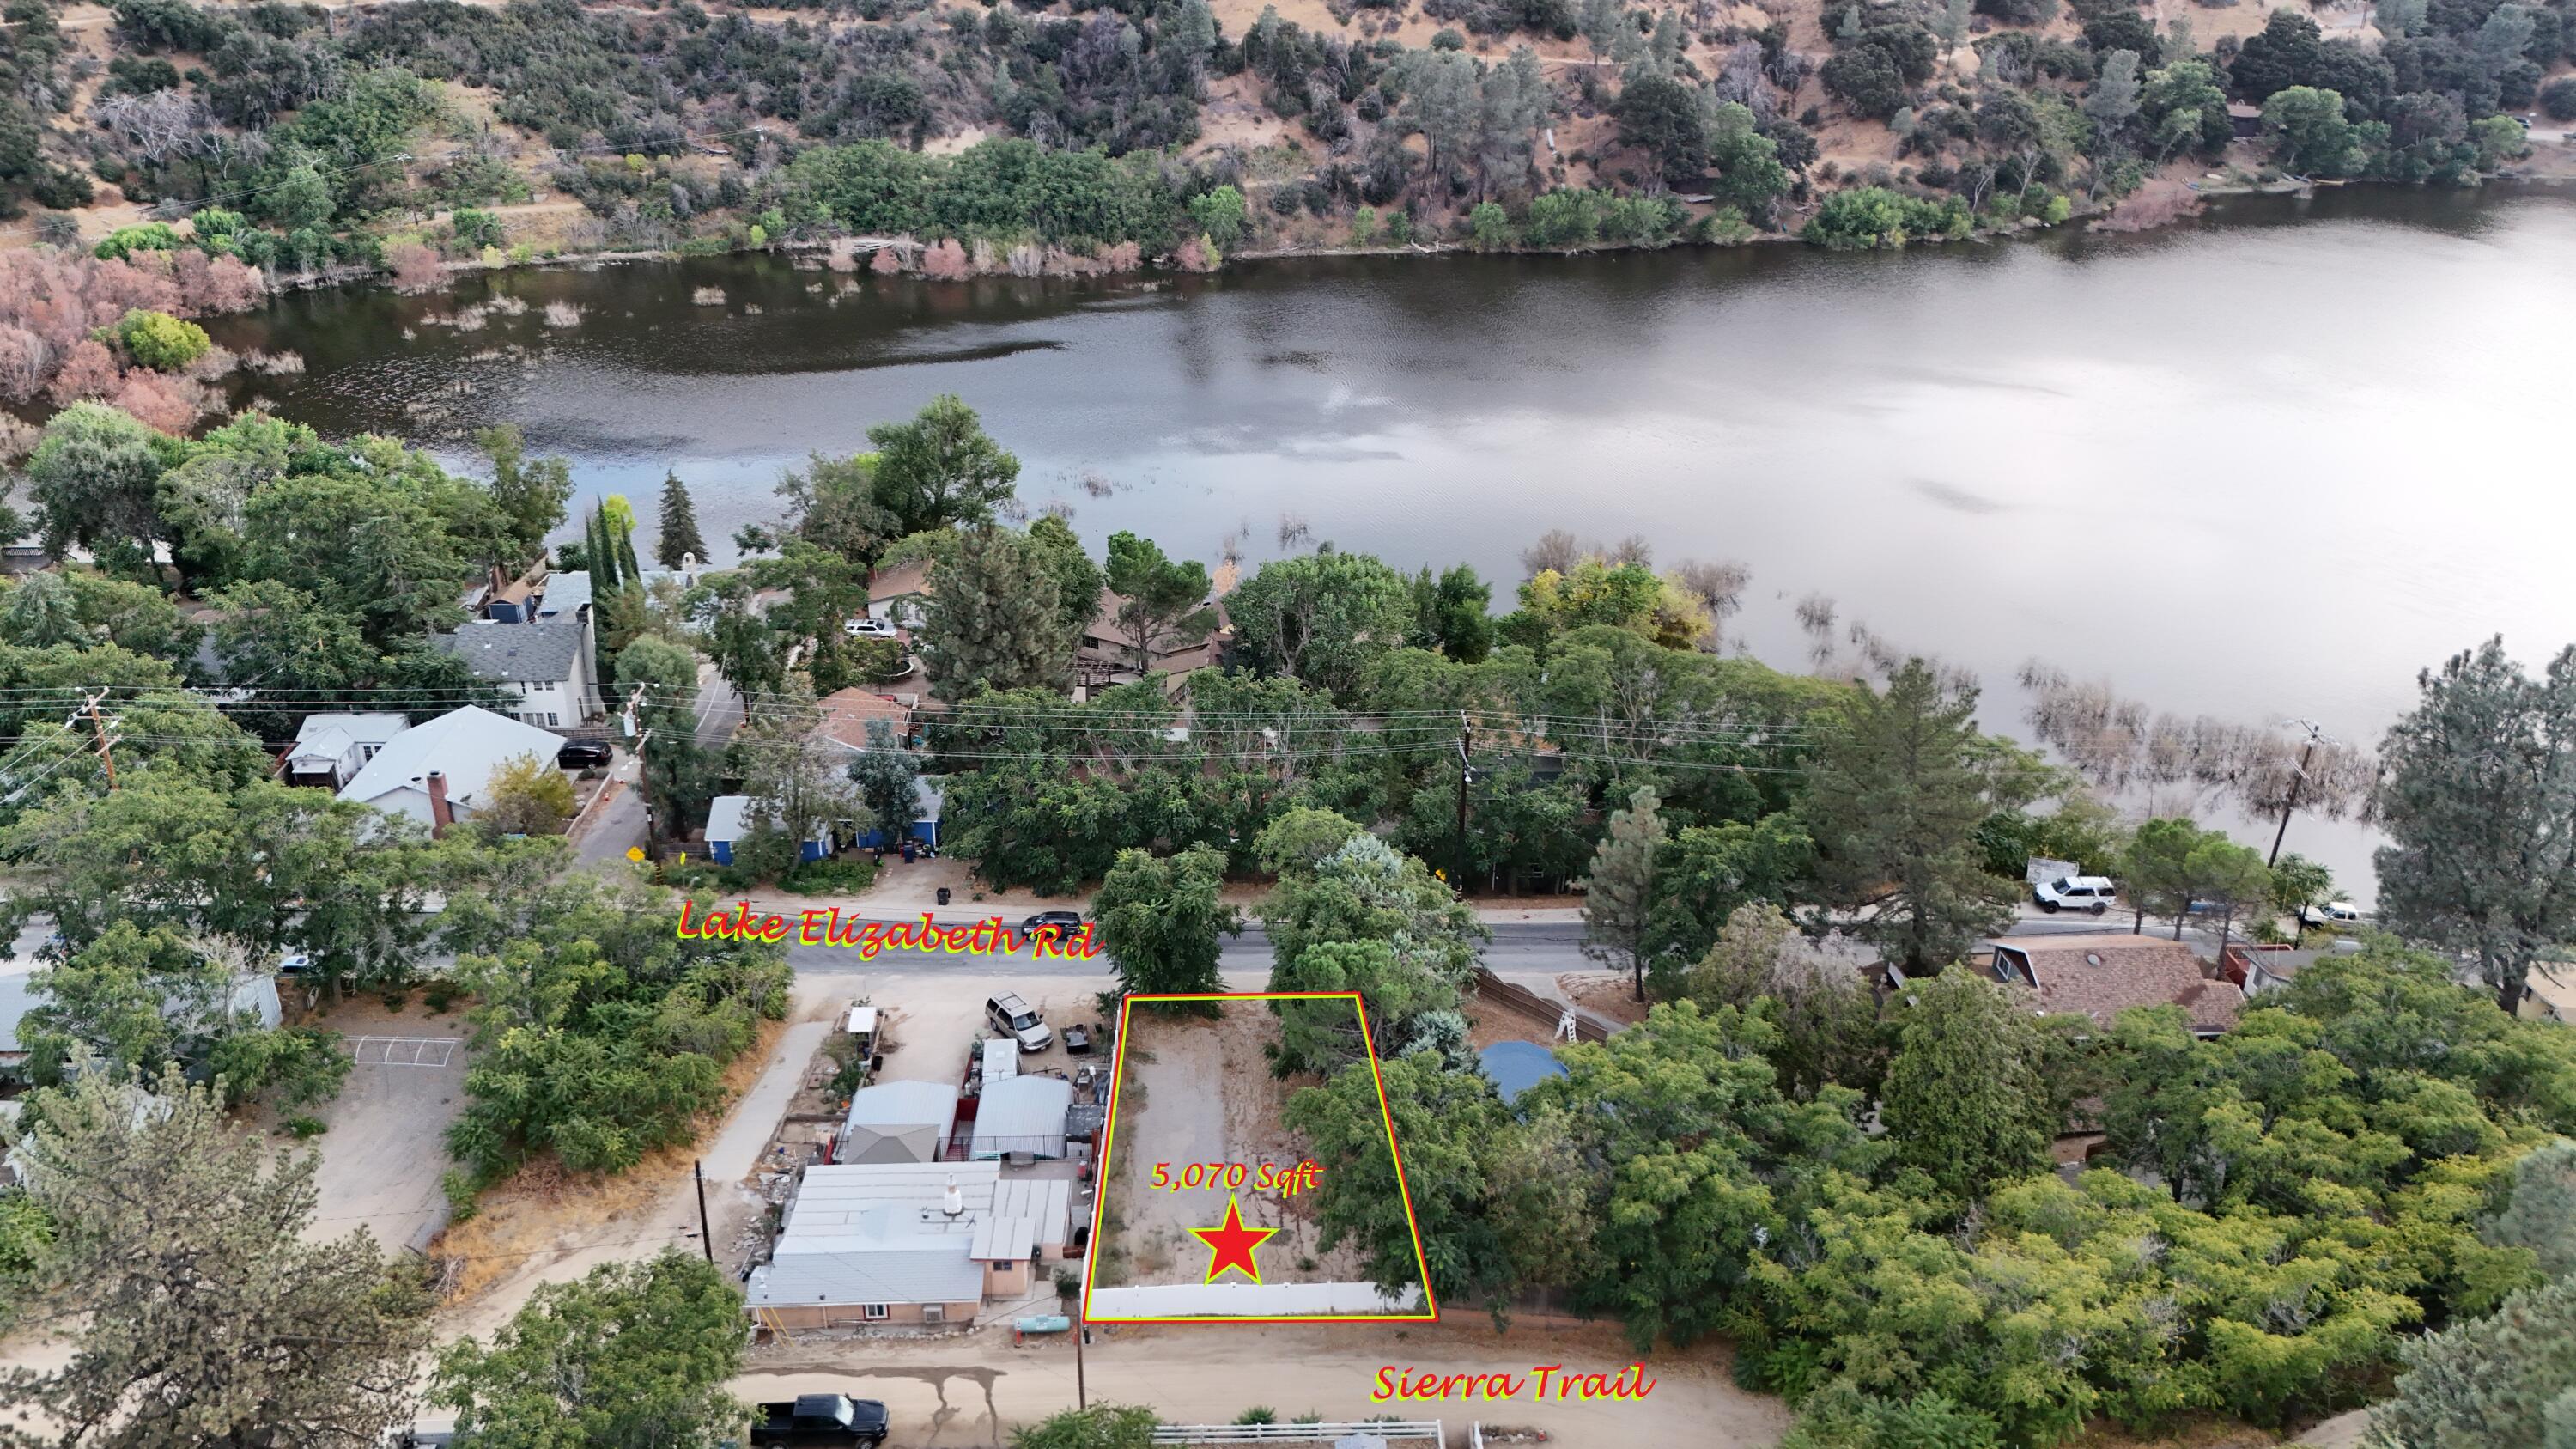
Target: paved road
(719, 708)
(617, 828)
(1518, 948)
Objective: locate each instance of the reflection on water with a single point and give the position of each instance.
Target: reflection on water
(2244, 467)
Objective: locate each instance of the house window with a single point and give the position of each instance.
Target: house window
(553, 719)
(367, 752)
(873, 1311)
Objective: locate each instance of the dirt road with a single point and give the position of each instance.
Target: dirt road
(968, 1391)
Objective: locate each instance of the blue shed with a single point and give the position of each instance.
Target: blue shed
(729, 820)
(924, 827)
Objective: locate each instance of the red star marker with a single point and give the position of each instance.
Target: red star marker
(1230, 1247)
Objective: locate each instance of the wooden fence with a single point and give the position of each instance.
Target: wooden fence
(1587, 1027)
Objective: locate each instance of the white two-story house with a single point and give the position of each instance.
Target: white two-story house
(543, 665)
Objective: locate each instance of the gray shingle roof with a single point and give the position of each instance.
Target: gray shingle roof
(542, 650)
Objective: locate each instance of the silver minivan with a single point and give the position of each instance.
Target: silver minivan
(1018, 1020)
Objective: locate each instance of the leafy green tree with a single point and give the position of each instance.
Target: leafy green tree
(1161, 599)
(1840, 1416)
(2300, 885)
(1220, 214)
(1825, 1014)
(94, 480)
(1749, 173)
(531, 493)
(1705, 874)
(160, 341)
(256, 861)
(798, 783)
(633, 1356)
(1362, 918)
(1450, 615)
(1704, 1160)
(1665, 118)
(1159, 919)
(1965, 1102)
(1449, 1123)
(180, 1268)
(887, 776)
(600, 1033)
(1619, 894)
(996, 618)
(2479, 802)
(2500, 1383)
(675, 775)
(370, 548)
(748, 652)
(41, 613)
(526, 796)
(1893, 803)
(834, 504)
(1323, 617)
(2310, 134)
(940, 468)
(678, 536)
(2185, 110)
(1077, 578)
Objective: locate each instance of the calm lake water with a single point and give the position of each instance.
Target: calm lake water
(2268, 465)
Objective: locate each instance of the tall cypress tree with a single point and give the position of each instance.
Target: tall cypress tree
(680, 536)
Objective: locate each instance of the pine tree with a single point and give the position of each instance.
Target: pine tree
(995, 618)
(1619, 894)
(679, 537)
(198, 1311)
(1893, 804)
(2497, 1383)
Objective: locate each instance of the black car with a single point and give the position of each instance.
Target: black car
(1063, 923)
(584, 755)
(820, 1419)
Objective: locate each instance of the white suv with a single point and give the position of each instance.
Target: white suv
(2075, 893)
(1008, 1013)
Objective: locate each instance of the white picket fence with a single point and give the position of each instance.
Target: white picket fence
(1391, 1431)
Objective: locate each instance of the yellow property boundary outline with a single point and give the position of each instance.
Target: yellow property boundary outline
(1109, 1138)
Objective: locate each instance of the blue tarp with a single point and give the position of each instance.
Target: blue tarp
(1517, 1066)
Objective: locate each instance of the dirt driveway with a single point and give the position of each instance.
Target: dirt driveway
(969, 1390)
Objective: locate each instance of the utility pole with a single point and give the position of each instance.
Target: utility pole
(1081, 1336)
(2316, 736)
(635, 726)
(98, 727)
(1466, 737)
(706, 1240)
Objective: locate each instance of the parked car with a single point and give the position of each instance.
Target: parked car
(1063, 923)
(2075, 893)
(1019, 1020)
(294, 964)
(584, 755)
(2332, 913)
(868, 629)
(821, 1419)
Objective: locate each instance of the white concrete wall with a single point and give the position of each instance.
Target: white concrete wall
(1246, 1300)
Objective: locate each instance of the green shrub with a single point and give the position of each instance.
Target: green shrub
(830, 877)
(304, 1127)
(1868, 217)
(150, 236)
(160, 341)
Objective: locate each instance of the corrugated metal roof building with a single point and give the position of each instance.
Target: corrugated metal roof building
(907, 1243)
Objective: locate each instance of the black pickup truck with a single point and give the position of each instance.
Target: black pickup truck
(820, 1419)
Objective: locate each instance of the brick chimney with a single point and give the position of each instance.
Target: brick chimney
(441, 815)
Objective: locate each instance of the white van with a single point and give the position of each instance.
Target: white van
(2076, 893)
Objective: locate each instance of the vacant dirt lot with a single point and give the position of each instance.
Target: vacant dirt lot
(1201, 1091)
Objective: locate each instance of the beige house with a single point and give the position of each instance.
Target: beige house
(2548, 998)
(2101, 976)
(869, 1243)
